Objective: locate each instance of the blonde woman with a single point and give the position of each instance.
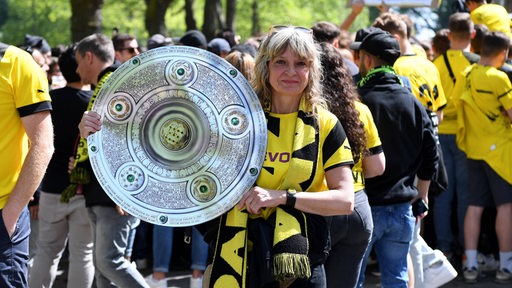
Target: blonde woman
(278, 228)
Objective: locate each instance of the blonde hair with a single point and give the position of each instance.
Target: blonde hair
(274, 45)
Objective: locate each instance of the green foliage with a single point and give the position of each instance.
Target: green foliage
(51, 18)
(126, 15)
(301, 13)
(46, 18)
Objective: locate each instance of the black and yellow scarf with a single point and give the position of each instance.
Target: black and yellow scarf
(288, 255)
(81, 175)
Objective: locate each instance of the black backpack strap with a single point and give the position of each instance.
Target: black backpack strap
(449, 67)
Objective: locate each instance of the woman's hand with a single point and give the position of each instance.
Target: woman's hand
(71, 164)
(90, 123)
(257, 198)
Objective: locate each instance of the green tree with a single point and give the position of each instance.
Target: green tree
(86, 18)
(4, 7)
(155, 16)
(60, 23)
(190, 19)
(37, 18)
(213, 19)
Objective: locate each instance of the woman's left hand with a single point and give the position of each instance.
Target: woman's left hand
(257, 198)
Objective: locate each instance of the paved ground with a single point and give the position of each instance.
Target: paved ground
(181, 278)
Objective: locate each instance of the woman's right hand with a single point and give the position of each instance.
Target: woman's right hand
(90, 123)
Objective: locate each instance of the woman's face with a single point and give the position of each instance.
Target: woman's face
(288, 74)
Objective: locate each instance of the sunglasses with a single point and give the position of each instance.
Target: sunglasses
(276, 28)
(130, 50)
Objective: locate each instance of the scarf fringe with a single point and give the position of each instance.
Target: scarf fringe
(79, 175)
(288, 266)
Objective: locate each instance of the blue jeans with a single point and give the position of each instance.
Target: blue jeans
(162, 249)
(456, 169)
(14, 252)
(393, 227)
(110, 235)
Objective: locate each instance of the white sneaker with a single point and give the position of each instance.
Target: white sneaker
(487, 263)
(153, 283)
(472, 274)
(196, 282)
(503, 276)
(438, 274)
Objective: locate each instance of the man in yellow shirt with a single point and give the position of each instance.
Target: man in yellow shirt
(424, 77)
(494, 16)
(26, 147)
(484, 113)
(450, 65)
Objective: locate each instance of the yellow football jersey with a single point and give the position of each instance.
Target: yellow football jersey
(22, 85)
(332, 151)
(425, 81)
(372, 141)
(494, 16)
(458, 63)
(484, 131)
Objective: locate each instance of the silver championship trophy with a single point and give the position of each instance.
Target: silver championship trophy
(183, 136)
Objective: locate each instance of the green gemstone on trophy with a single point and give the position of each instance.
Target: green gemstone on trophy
(119, 107)
(163, 219)
(93, 148)
(130, 178)
(235, 121)
(253, 171)
(203, 188)
(181, 71)
(232, 72)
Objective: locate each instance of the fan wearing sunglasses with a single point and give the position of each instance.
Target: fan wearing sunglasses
(277, 235)
(125, 47)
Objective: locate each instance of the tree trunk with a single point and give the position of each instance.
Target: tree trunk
(211, 18)
(221, 23)
(85, 18)
(230, 15)
(4, 15)
(255, 19)
(155, 16)
(190, 19)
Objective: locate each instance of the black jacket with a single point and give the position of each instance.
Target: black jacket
(407, 139)
(93, 192)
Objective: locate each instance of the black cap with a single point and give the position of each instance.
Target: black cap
(194, 38)
(158, 40)
(381, 44)
(37, 42)
(360, 34)
(219, 45)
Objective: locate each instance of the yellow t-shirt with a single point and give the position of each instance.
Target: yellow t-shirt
(425, 80)
(333, 152)
(372, 143)
(485, 133)
(23, 84)
(458, 63)
(494, 16)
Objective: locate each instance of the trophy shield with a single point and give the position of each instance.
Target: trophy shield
(183, 136)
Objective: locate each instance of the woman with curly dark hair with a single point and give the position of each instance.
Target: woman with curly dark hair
(350, 234)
